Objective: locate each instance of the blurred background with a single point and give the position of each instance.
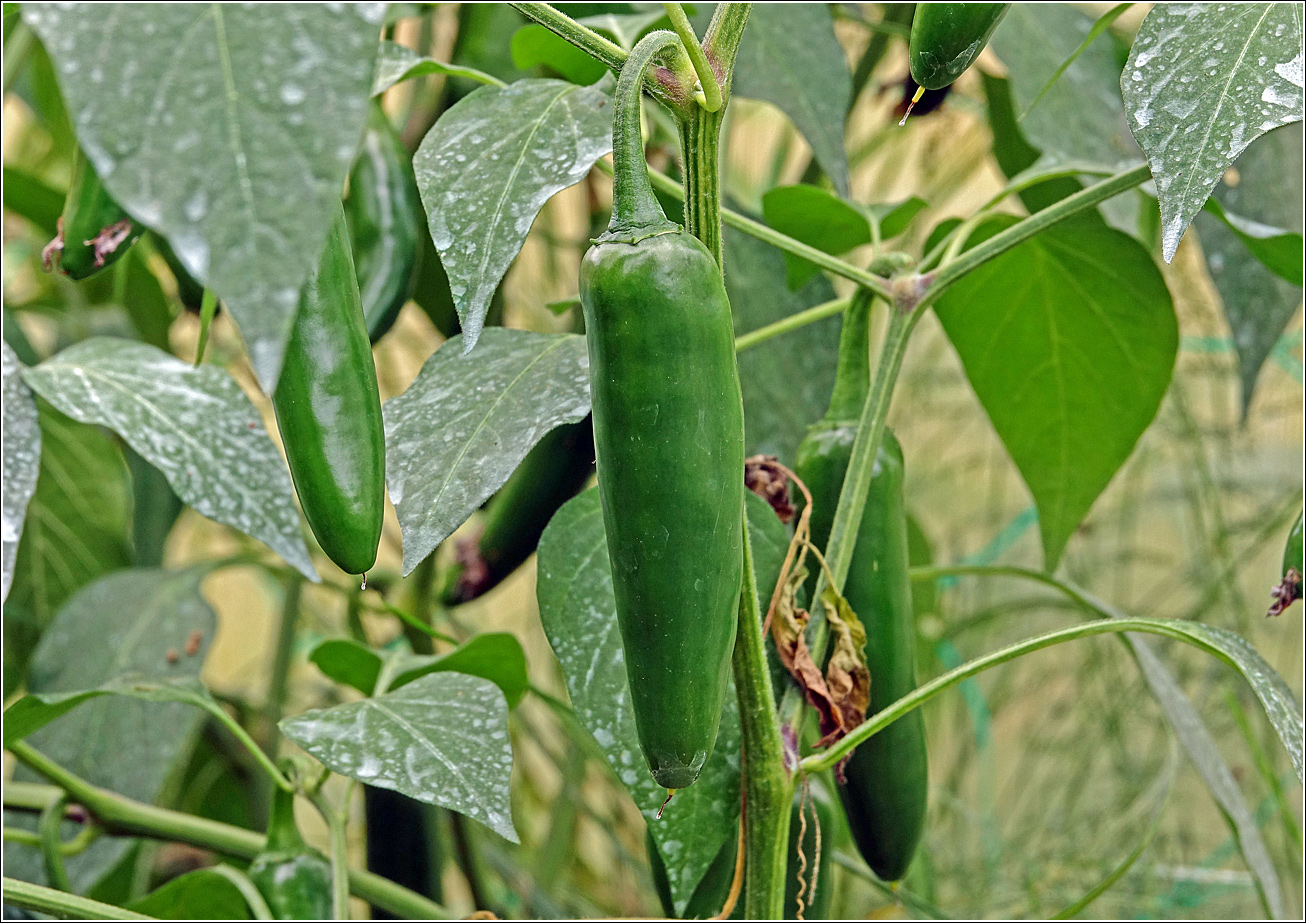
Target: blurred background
(1045, 773)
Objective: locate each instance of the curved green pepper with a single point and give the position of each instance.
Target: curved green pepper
(293, 877)
(94, 231)
(885, 791)
(386, 221)
(710, 895)
(552, 473)
(1289, 589)
(669, 435)
(946, 38)
(329, 411)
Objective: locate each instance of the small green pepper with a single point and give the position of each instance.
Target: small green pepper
(887, 777)
(669, 436)
(946, 38)
(94, 231)
(293, 877)
(329, 411)
(386, 222)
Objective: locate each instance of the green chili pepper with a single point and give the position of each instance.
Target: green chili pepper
(386, 221)
(884, 795)
(293, 877)
(946, 38)
(713, 889)
(94, 231)
(552, 473)
(1289, 589)
(669, 435)
(329, 411)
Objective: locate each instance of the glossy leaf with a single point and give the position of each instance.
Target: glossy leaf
(396, 63)
(533, 46)
(22, 459)
(786, 380)
(228, 129)
(442, 739)
(122, 624)
(199, 895)
(578, 610)
(487, 168)
(1069, 341)
(1203, 81)
(790, 57)
(192, 423)
(458, 432)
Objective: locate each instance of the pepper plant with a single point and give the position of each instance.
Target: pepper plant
(211, 210)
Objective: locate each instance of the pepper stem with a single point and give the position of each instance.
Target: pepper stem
(636, 213)
(283, 832)
(852, 378)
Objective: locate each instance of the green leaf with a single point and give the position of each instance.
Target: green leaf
(396, 63)
(1069, 341)
(123, 624)
(487, 168)
(200, 895)
(78, 528)
(193, 423)
(579, 613)
(348, 662)
(1258, 303)
(496, 656)
(790, 57)
(1203, 82)
(143, 298)
(1080, 118)
(453, 438)
(786, 380)
(533, 46)
(816, 217)
(442, 739)
(22, 459)
(227, 129)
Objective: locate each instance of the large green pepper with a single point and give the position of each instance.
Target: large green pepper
(713, 889)
(94, 231)
(386, 222)
(887, 777)
(552, 473)
(946, 38)
(293, 877)
(329, 411)
(669, 435)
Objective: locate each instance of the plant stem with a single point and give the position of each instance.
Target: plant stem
(819, 762)
(700, 135)
(62, 905)
(127, 817)
(706, 76)
(208, 307)
(279, 677)
(768, 780)
(47, 828)
(792, 322)
(335, 820)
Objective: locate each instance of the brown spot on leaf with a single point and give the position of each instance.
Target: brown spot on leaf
(193, 642)
(1286, 593)
(109, 239)
(172, 656)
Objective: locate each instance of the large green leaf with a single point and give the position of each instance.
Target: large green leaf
(1069, 341)
(229, 129)
(487, 168)
(193, 423)
(204, 894)
(579, 613)
(129, 623)
(442, 739)
(1258, 303)
(1203, 81)
(453, 438)
(78, 528)
(790, 57)
(22, 459)
(786, 380)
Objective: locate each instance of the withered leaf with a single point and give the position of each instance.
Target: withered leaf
(847, 679)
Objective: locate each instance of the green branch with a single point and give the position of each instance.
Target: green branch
(707, 81)
(127, 817)
(62, 905)
(792, 322)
